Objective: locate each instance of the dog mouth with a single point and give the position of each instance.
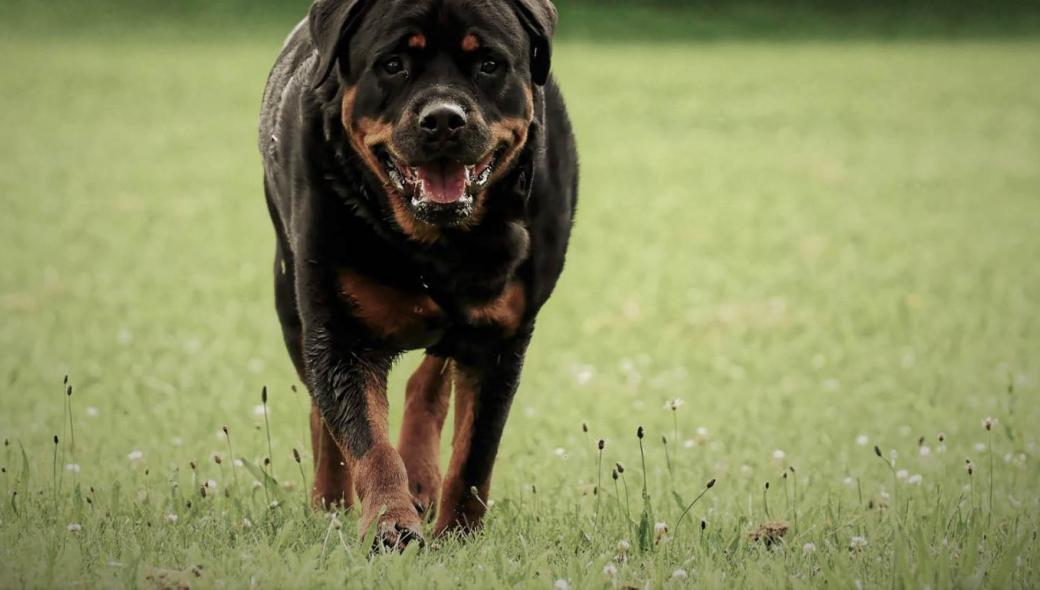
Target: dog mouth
(441, 182)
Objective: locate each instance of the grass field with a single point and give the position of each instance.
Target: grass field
(819, 246)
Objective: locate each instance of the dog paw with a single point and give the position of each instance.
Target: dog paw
(393, 535)
(397, 525)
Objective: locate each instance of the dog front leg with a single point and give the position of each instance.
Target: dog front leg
(349, 388)
(484, 389)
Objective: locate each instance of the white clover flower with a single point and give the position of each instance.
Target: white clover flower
(902, 474)
(858, 543)
(623, 546)
(680, 574)
(274, 504)
(210, 484)
(779, 455)
(171, 518)
(560, 452)
(980, 447)
(72, 467)
(247, 523)
(238, 463)
(689, 443)
(862, 440)
(583, 374)
(92, 412)
(177, 441)
(561, 584)
(673, 404)
(74, 527)
(849, 482)
(660, 531)
(610, 570)
(915, 479)
(924, 451)
(745, 469)
(135, 455)
(261, 410)
(809, 548)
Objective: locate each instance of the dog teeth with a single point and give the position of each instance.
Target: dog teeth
(395, 177)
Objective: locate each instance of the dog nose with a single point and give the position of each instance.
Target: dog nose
(442, 120)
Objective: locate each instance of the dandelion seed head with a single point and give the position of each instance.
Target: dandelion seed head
(171, 518)
(779, 455)
(74, 527)
(924, 451)
(809, 548)
(862, 440)
(72, 467)
(561, 584)
(902, 474)
(915, 479)
(135, 455)
(610, 570)
(858, 543)
(92, 412)
(680, 574)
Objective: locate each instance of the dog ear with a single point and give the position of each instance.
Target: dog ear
(539, 18)
(332, 22)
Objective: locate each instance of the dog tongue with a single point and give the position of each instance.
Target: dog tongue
(443, 182)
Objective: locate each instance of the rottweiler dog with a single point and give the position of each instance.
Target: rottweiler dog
(421, 174)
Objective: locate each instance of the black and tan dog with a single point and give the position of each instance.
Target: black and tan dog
(421, 175)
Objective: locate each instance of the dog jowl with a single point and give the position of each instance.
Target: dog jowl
(421, 177)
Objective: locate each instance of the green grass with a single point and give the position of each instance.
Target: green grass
(805, 241)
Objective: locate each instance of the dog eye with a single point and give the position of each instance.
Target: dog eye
(393, 66)
(488, 66)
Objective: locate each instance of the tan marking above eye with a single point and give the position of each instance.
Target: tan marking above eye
(470, 43)
(417, 41)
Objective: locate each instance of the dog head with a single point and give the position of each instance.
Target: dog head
(438, 95)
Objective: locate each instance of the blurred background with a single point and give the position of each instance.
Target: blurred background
(808, 219)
